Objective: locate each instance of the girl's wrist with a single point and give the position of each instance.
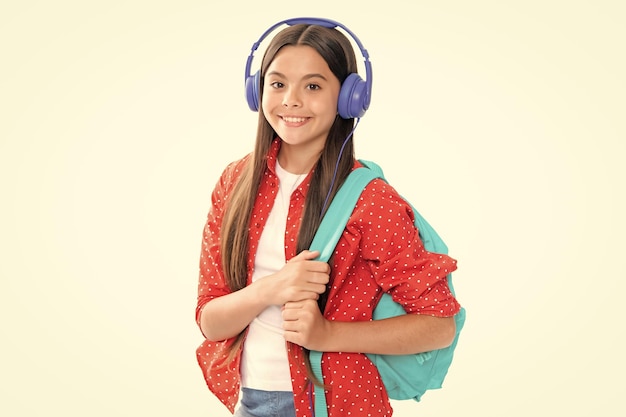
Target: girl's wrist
(328, 337)
(259, 291)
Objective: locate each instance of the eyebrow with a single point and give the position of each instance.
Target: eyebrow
(306, 77)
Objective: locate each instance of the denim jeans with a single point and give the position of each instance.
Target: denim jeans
(256, 403)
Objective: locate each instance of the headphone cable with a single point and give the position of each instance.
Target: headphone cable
(337, 165)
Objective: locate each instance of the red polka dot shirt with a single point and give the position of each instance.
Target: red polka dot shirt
(379, 251)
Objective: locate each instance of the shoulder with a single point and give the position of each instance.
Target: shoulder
(233, 170)
(378, 193)
(229, 177)
(380, 203)
(231, 174)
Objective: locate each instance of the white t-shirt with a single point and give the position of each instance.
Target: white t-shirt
(264, 364)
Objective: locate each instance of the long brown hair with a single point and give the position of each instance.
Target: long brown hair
(338, 53)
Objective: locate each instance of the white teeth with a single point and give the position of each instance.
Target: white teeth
(294, 119)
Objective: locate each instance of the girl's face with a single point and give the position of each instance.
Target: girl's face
(300, 97)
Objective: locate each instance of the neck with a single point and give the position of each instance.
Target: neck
(296, 160)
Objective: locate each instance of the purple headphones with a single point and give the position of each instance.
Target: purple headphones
(355, 94)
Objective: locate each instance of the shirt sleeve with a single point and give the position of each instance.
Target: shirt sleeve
(211, 280)
(413, 276)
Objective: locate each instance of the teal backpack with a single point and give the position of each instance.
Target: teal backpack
(405, 376)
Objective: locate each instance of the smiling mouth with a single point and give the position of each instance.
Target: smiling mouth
(289, 119)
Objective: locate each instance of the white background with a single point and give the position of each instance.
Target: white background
(503, 122)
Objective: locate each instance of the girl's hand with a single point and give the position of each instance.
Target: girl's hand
(304, 325)
(301, 278)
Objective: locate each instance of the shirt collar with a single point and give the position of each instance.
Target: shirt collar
(272, 155)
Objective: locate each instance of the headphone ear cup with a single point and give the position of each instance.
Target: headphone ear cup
(252, 91)
(353, 100)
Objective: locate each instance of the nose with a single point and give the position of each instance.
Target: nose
(291, 98)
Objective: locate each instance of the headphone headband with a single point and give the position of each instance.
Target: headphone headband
(353, 100)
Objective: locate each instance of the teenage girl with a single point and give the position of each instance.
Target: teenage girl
(263, 298)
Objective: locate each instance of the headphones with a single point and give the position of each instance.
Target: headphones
(355, 94)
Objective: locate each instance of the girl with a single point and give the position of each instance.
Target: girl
(263, 298)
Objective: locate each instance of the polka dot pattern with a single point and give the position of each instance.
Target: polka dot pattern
(379, 251)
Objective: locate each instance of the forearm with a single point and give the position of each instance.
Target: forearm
(400, 335)
(228, 315)
(301, 278)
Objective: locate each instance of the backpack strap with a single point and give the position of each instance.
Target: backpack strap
(330, 230)
(340, 209)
